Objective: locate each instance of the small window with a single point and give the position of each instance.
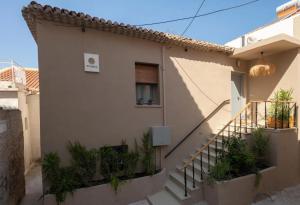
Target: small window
(147, 86)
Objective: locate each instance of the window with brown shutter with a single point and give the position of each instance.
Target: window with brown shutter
(147, 84)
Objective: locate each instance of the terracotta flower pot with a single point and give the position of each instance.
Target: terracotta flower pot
(279, 124)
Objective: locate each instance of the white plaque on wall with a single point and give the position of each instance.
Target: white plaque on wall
(91, 62)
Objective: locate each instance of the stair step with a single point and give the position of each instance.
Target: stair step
(212, 155)
(212, 147)
(205, 160)
(243, 125)
(142, 202)
(189, 174)
(197, 167)
(176, 190)
(201, 203)
(180, 179)
(162, 198)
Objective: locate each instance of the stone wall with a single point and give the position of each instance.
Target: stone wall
(12, 181)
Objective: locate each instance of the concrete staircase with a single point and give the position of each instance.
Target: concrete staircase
(248, 118)
(173, 192)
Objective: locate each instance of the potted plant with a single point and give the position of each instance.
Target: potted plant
(280, 113)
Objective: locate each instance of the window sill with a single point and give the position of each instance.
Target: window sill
(148, 106)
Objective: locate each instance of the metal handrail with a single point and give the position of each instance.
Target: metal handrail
(212, 140)
(238, 116)
(196, 127)
(199, 152)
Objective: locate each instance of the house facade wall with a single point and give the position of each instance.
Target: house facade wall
(99, 109)
(33, 102)
(23, 107)
(286, 76)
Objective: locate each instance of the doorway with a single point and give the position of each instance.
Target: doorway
(237, 92)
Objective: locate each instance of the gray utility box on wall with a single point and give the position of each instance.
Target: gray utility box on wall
(161, 135)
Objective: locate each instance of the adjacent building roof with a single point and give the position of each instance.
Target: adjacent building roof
(269, 46)
(32, 77)
(35, 11)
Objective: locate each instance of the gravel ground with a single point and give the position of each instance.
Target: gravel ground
(289, 196)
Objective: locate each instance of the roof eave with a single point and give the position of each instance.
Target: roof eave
(34, 12)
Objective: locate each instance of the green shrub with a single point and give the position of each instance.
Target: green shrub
(116, 165)
(219, 172)
(148, 154)
(61, 180)
(131, 160)
(241, 160)
(110, 162)
(83, 162)
(282, 110)
(235, 161)
(51, 165)
(260, 147)
(115, 183)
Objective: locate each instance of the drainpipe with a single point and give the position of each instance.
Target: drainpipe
(164, 86)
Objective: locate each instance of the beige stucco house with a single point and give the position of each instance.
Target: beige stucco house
(103, 81)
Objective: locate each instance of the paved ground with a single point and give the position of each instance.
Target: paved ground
(33, 187)
(289, 196)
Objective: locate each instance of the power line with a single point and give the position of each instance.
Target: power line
(200, 15)
(190, 23)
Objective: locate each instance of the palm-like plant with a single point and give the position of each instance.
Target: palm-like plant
(280, 108)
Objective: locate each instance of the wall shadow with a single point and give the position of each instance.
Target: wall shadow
(262, 88)
(197, 83)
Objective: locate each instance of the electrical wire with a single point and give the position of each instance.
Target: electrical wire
(200, 15)
(190, 23)
(196, 84)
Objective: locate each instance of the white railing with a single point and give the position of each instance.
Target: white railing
(18, 71)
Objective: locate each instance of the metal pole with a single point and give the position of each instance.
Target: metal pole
(240, 124)
(295, 115)
(201, 165)
(208, 157)
(193, 163)
(265, 114)
(185, 185)
(282, 115)
(288, 107)
(275, 115)
(246, 130)
(256, 112)
(216, 151)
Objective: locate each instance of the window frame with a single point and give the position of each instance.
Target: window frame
(158, 105)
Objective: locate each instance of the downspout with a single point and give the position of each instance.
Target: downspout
(164, 107)
(164, 86)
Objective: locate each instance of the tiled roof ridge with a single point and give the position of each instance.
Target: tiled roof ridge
(35, 11)
(32, 77)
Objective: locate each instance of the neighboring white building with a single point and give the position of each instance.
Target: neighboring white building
(19, 89)
(288, 22)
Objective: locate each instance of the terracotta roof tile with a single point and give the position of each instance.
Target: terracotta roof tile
(32, 77)
(35, 11)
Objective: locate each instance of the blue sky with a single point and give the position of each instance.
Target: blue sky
(17, 43)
